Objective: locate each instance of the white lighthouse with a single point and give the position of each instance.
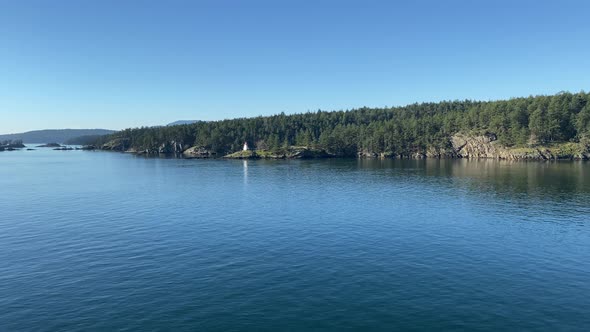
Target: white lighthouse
(245, 146)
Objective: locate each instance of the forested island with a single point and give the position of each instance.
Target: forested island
(535, 127)
(11, 145)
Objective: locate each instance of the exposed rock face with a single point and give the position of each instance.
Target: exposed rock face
(168, 148)
(118, 144)
(486, 146)
(367, 154)
(440, 153)
(476, 146)
(306, 153)
(171, 148)
(198, 152)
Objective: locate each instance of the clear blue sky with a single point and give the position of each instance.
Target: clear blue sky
(118, 64)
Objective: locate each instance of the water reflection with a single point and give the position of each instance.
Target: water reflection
(503, 176)
(245, 166)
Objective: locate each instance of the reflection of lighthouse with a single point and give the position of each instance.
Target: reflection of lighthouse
(245, 146)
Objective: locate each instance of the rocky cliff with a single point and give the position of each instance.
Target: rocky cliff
(487, 146)
(198, 152)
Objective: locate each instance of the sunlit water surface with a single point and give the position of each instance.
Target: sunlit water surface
(105, 241)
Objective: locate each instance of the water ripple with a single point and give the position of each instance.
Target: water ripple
(104, 241)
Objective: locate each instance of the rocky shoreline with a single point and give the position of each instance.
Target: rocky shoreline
(53, 146)
(11, 145)
(461, 146)
(293, 152)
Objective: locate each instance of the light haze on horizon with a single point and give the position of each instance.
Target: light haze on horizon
(118, 64)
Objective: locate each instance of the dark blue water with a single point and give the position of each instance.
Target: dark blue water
(96, 241)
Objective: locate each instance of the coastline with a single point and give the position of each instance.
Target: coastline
(460, 146)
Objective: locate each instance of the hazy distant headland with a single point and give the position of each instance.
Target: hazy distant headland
(182, 122)
(67, 136)
(532, 128)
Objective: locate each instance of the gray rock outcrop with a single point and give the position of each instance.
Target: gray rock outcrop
(198, 152)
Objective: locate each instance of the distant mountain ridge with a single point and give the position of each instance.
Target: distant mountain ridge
(182, 122)
(54, 135)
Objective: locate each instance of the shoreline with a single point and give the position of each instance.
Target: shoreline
(359, 157)
(459, 146)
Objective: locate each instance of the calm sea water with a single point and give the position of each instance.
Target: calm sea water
(98, 241)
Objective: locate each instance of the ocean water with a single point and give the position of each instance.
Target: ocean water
(100, 241)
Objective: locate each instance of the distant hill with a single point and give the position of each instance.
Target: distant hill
(83, 140)
(54, 135)
(182, 122)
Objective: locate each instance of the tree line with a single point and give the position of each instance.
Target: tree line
(526, 121)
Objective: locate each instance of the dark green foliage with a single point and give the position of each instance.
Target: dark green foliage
(83, 140)
(398, 130)
(16, 142)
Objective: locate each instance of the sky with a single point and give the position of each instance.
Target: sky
(119, 64)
